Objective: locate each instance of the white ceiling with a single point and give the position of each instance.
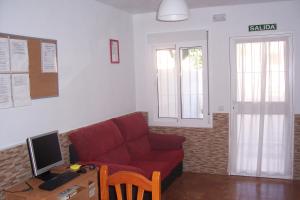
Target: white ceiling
(143, 6)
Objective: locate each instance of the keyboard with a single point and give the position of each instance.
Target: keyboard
(58, 180)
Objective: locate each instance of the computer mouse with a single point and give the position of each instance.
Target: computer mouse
(82, 170)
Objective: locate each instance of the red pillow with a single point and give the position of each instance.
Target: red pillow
(135, 131)
(132, 126)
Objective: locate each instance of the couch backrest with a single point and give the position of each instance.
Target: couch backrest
(135, 130)
(100, 142)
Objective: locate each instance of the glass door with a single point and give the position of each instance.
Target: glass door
(261, 139)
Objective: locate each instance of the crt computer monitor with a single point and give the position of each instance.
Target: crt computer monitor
(45, 153)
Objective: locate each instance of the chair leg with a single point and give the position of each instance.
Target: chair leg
(104, 183)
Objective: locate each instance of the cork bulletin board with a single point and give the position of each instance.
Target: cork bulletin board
(42, 84)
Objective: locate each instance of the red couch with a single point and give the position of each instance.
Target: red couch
(125, 143)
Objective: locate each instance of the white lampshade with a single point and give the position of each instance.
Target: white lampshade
(173, 10)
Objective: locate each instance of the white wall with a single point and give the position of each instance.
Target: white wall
(285, 14)
(91, 89)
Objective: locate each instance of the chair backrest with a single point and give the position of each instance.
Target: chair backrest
(129, 179)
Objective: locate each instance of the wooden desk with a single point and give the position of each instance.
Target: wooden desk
(88, 183)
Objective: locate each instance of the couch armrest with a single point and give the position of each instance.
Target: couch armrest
(113, 167)
(165, 141)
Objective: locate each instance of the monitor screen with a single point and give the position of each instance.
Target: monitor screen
(44, 152)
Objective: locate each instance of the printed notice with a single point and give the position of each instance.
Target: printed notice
(4, 55)
(49, 60)
(21, 90)
(5, 91)
(19, 55)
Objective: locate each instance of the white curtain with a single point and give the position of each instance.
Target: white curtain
(261, 141)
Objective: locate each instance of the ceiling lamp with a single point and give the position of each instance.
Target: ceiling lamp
(173, 10)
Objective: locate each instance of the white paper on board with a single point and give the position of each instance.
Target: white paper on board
(4, 55)
(21, 90)
(19, 55)
(49, 60)
(5, 91)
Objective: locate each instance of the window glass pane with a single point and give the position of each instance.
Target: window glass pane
(191, 60)
(167, 83)
(273, 152)
(249, 62)
(261, 65)
(275, 72)
(247, 130)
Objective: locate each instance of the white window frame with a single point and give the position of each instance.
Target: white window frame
(179, 122)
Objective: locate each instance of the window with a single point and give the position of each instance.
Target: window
(182, 84)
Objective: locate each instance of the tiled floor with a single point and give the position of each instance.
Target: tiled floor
(192, 186)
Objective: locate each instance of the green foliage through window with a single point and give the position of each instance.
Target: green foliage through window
(194, 55)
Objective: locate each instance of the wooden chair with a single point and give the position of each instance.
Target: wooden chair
(129, 179)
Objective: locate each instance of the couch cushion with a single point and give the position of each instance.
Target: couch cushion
(118, 155)
(165, 141)
(93, 141)
(134, 128)
(171, 158)
(174, 156)
(149, 166)
(139, 147)
(113, 168)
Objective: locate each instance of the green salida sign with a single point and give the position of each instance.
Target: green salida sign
(262, 27)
